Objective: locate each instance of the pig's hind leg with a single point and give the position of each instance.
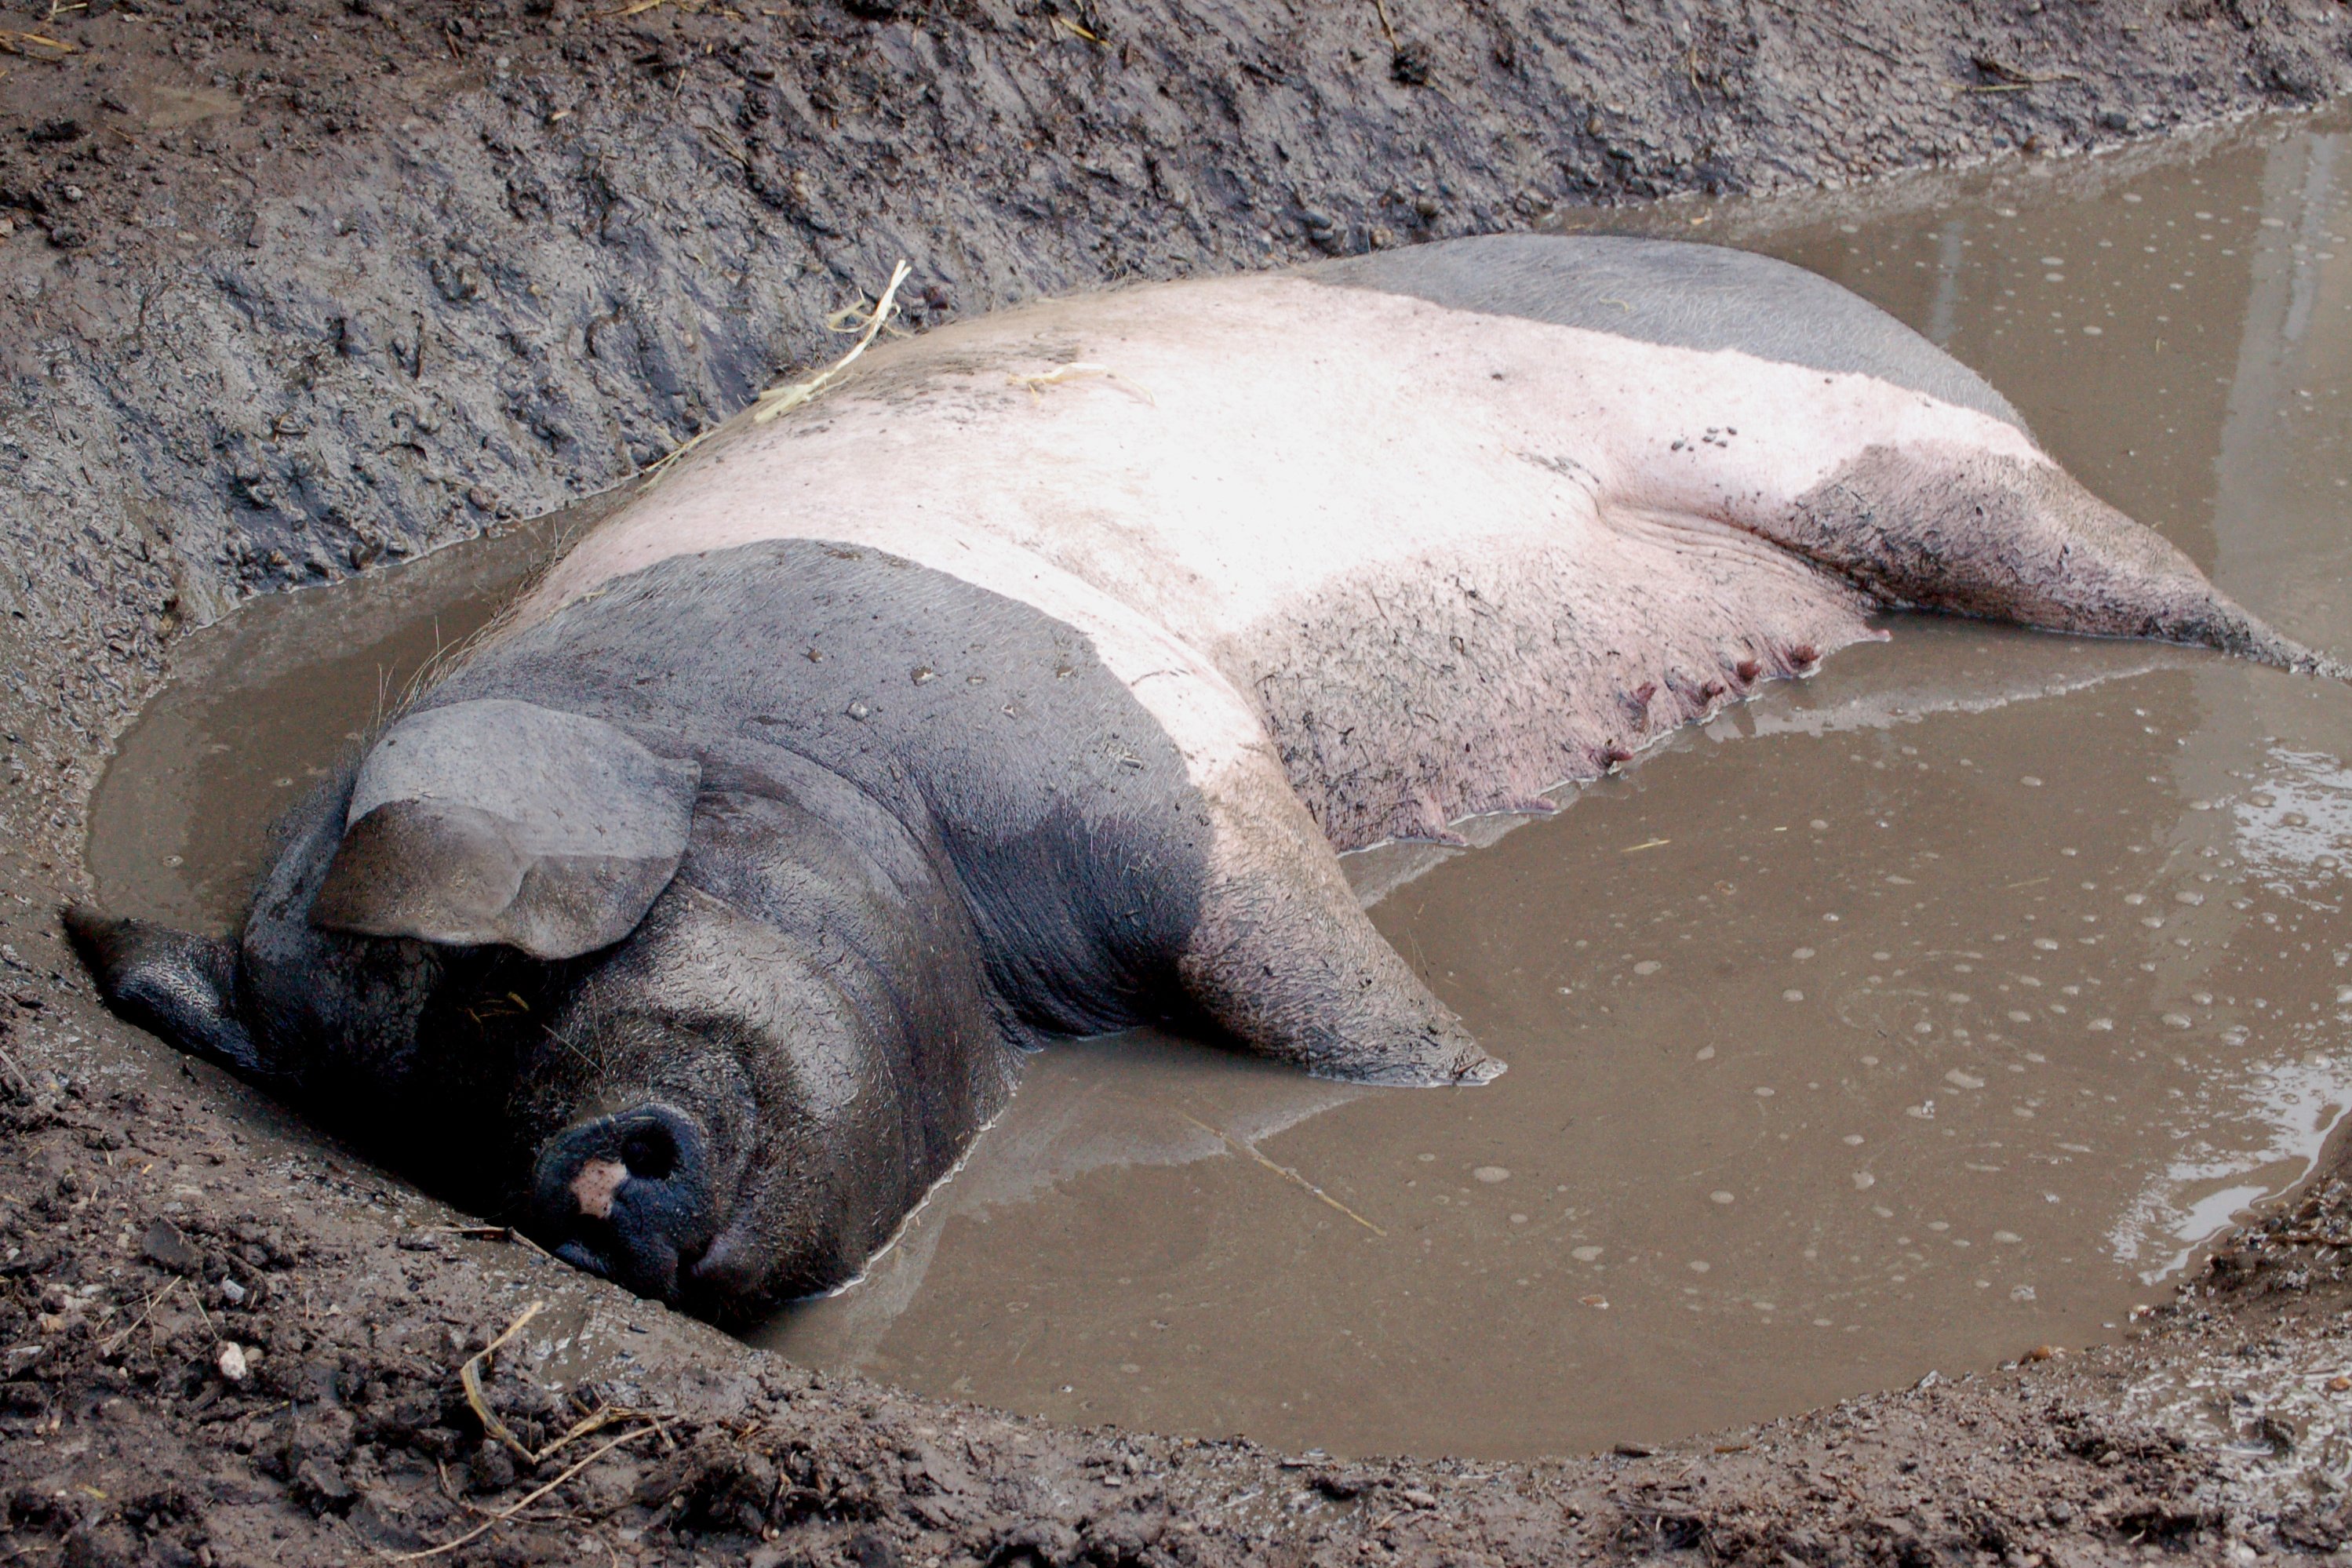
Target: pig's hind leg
(1921, 526)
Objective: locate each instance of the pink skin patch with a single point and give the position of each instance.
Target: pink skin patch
(1399, 564)
(594, 1185)
(1545, 517)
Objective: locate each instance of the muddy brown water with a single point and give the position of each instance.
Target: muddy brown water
(1904, 1020)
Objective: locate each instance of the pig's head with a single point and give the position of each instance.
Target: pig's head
(522, 957)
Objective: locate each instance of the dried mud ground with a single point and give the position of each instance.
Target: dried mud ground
(292, 288)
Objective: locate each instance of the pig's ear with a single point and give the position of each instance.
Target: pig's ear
(499, 821)
(178, 986)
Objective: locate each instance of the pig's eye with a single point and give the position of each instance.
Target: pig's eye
(649, 1151)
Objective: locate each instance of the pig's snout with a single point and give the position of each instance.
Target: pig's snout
(628, 1196)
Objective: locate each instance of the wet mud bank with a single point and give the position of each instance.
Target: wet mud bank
(295, 291)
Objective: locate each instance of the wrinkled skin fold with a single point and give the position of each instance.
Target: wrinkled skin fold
(1025, 684)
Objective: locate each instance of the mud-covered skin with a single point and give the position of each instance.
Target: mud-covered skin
(1983, 534)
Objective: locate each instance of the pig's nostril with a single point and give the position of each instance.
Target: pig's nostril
(650, 1151)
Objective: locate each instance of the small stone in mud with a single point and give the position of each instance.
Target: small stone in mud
(1491, 1173)
(1720, 1197)
(1586, 1254)
(164, 1247)
(232, 1364)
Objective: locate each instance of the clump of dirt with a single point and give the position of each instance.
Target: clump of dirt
(298, 288)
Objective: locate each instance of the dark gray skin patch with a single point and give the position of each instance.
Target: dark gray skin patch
(1675, 293)
(931, 825)
(1053, 802)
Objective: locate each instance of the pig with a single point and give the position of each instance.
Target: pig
(1028, 681)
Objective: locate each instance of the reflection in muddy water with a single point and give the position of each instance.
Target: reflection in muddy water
(1927, 1011)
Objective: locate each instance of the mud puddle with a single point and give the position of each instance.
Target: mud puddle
(268, 700)
(1907, 1019)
